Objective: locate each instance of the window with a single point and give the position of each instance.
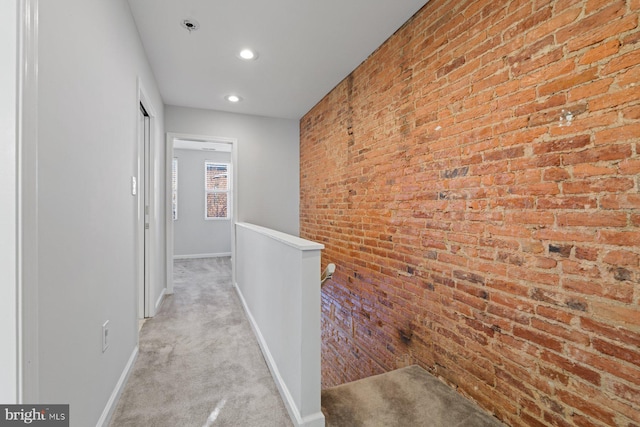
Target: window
(216, 184)
(174, 188)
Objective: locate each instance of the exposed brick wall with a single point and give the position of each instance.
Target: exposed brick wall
(476, 181)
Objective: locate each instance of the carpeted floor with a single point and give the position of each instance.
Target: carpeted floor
(199, 362)
(408, 397)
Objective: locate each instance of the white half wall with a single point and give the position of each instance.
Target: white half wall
(268, 164)
(8, 195)
(278, 281)
(192, 233)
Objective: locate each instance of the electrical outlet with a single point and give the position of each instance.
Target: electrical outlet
(105, 336)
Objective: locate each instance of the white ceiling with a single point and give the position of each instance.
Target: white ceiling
(305, 47)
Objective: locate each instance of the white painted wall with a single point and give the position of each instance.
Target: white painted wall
(8, 226)
(193, 234)
(90, 59)
(278, 281)
(268, 165)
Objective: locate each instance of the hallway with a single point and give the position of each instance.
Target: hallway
(199, 363)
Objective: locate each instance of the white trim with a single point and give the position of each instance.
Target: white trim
(313, 420)
(27, 203)
(9, 69)
(168, 225)
(194, 256)
(105, 418)
(148, 242)
(287, 239)
(170, 137)
(159, 301)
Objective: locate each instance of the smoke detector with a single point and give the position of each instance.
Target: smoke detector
(190, 24)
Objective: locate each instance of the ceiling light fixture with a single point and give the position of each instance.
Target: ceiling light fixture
(233, 98)
(190, 24)
(248, 54)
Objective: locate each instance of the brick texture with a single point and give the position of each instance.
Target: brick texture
(476, 181)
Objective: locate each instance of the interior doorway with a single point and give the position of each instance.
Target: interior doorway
(204, 144)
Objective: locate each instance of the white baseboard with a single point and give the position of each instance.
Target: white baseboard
(192, 256)
(313, 420)
(105, 418)
(159, 301)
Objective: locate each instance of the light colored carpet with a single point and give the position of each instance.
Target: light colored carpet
(199, 362)
(405, 397)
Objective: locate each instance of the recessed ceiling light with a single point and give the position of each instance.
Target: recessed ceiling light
(233, 98)
(248, 54)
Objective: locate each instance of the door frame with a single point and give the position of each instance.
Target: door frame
(28, 362)
(170, 138)
(145, 241)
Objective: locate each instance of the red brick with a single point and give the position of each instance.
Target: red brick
(560, 331)
(553, 71)
(539, 218)
(588, 219)
(554, 375)
(556, 174)
(609, 185)
(555, 314)
(627, 78)
(618, 134)
(632, 112)
(584, 421)
(629, 167)
(533, 107)
(568, 82)
(580, 269)
(624, 315)
(610, 29)
(585, 24)
(541, 339)
(618, 292)
(609, 100)
(613, 333)
(587, 407)
(587, 170)
(619, 352)
(564, 235)
(603, 51)
(631, 394)
(594, 5)
(571, 202)
(605, 364)
(622, 201)
(589, 254)
(594, 155)
(470, 218)
(622, 62)
(552, 25)
(530, 22)
(568, 144)
(590, 90)
(619, 238)
(617, 257)
(570, 366)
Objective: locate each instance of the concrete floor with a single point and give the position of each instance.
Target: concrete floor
(405, 397)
